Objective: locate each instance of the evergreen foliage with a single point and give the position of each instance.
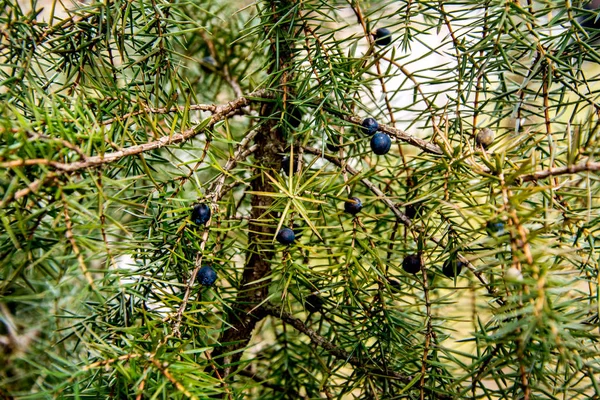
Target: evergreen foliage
(470, 269)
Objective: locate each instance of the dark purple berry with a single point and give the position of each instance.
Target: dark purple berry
(590, 21)
(286, 236)
(452, 267)
(412, 263)
(201, 214)
(369, 126)
(209, 60)
(285, 165)
(333, 145)
(314, 303)
(353, 205)
(394, 285)
(208, 64)
(381, 143)
(206, 276)
(294, 116)
(382, 37)
(414, 210)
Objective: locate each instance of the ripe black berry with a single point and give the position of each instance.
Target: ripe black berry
(380, 143)
(369, 126)
(452, 267)
(485, 137)
(333, 145)
(590, 20)
(206, 276)
(495, 228)
(285, 165)
(412, 263)
(201, 214)
(353, 205)
(314, 303)
(394, 285)
(294, 116)
(414, 210)
(286, 236)
(382, 37)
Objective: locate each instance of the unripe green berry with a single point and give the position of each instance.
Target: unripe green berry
(485, 137)
(513, 275)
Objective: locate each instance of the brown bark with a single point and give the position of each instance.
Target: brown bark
(269, 140)
(242, 316)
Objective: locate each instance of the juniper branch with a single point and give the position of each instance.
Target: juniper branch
(219, 113)
(215, 192)
(405, 220)
(338, 353)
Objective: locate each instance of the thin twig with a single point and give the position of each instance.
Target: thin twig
(327, 345)
(568, 169)
(417, 86)
(142, 385)
(456, 48)
(401, 135)
(215, 193)
(355, 6)
(219, 113)
(161, 110)
(71, 238)
(478, 85)
(219, 377)
(165, 371)
(428, 334)
(103, 363)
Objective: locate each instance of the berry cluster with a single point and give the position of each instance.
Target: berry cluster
(380, 145)
(200, 216)
(380, 142)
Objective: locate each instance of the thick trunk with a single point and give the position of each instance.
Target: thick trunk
(243, 317)
(260, 250)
